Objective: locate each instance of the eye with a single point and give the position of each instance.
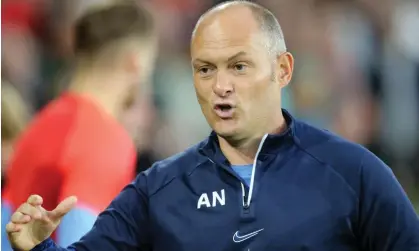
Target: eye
(204, 71)
(240, 67)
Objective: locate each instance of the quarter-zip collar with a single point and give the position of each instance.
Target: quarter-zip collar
(271, 145)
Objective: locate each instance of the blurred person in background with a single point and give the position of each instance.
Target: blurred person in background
(141, 122)
(77, 144)
(14, 117)
(250, 183)
(398, 89)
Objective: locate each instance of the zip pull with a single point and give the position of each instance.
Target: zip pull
(245, 204)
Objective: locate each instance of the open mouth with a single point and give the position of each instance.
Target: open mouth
(224, 110)
(223, 107)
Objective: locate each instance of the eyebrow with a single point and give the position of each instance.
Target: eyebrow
(235, 56)
(239, 54)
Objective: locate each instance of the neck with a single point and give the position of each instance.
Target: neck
(243, 152)
(101, 89)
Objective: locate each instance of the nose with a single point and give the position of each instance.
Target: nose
(223, 86)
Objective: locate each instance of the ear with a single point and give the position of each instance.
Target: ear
(132, 64)
(284, 68)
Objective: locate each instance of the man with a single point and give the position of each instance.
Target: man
(261, 181)
(76, 145)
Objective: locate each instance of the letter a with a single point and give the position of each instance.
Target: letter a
(203, 200)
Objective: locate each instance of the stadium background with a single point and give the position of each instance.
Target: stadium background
(357, 73)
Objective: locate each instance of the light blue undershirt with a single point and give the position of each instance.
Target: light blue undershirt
(74, 225)
(244, 171)
(6, 213)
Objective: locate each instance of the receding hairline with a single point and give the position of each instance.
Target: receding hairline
(269, 24)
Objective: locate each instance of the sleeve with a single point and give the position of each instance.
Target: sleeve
(123, 226)
(387, 219)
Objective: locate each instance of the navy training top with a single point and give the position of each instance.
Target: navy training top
(309, 190)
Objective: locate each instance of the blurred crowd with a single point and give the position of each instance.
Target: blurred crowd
(356, 73)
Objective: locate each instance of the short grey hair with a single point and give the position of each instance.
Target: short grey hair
(269, 24)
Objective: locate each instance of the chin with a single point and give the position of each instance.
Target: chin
(233, 138)
(226, 131)
(225, 134)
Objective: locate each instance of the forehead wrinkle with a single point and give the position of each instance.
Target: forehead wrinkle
(251, 45)
(221, 44)
(219, 39)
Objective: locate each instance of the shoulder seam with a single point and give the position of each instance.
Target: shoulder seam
(329, 166)
(361, 185)
(163, 186)
(188, 173)
(198, 165)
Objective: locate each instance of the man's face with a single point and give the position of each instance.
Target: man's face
(234, 75)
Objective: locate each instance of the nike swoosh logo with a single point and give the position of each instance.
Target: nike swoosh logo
(237, 238)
